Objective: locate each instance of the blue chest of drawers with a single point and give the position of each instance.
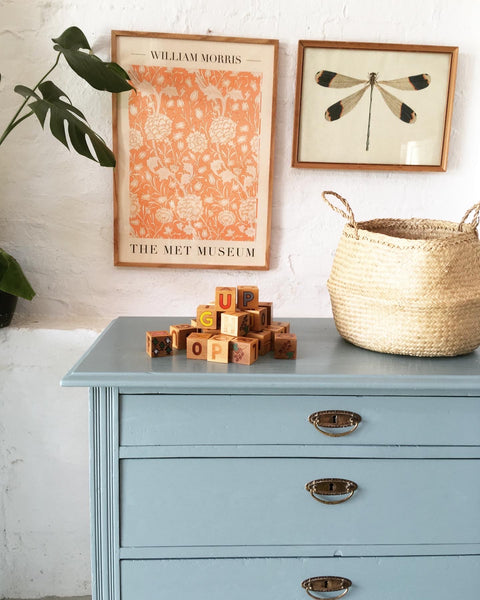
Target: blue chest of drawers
(344, 470)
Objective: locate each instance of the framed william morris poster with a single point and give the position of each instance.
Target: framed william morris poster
(373, 106)
(194, 146)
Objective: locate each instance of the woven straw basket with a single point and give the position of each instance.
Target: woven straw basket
(407, 286)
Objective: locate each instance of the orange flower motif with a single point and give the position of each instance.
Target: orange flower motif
(190, 208)
(255, 143)
(197, 142)
(199, 177)
(135, 139)
(158, 127)
(248, 210)
(222, 130)
(226, 218)
(164, 215)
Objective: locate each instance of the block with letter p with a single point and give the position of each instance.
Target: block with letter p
(207, 316)
(247, 297)
(218, 347)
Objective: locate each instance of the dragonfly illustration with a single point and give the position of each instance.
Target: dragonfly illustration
(399, 109)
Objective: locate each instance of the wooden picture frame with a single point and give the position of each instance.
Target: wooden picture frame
(194, 148)
(352, 106)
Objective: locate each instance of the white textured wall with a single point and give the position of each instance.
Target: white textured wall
(57, 208)
(44, 546)
(56, 217)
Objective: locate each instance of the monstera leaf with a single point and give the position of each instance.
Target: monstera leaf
(67, 123)
(105, 76)
(12, 278)
(62, 112)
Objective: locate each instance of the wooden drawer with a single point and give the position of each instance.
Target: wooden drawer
(392, 578)
(244, 501)
(217, 419)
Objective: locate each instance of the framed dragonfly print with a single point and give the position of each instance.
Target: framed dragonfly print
(194, 146)
(373, 106)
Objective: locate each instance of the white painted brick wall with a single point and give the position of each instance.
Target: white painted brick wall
(57, 207)
(44, 498)
(56, 217)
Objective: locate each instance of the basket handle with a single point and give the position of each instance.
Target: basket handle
(476, 216)
(346, 215)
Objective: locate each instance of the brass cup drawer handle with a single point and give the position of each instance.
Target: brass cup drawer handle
(331, 487)
(326, 584)
(335, 419)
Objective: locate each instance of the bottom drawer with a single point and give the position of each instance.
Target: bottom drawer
(390, 578)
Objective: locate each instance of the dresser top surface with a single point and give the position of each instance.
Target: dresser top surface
(325, 362)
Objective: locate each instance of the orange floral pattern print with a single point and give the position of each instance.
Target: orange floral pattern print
(194, 143)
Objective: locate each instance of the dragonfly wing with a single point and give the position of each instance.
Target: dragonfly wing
(335, 80)
(414, 82)
(342, 107)
(398, 108)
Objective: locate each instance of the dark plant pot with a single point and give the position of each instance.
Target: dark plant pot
(8, 303)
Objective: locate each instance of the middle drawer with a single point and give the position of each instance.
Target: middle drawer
(256, 501)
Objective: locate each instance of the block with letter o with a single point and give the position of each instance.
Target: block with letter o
(197, 345)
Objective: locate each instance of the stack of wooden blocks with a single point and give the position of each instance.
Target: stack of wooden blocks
(236, 328)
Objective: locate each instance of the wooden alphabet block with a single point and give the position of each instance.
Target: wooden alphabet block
(264, 340)
(275, 329)
(218, 348)
(179, 335)
(207, 316)
(244, 350)
(211, 331)
(235, 324)
(258, 319)
(285, 346)
(225, 299)
(269, 307)
(284, 324)
(247, 297)
(158, 343)
(197, 345)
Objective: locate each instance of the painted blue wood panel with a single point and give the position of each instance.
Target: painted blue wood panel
(325, 364)
(305, 451)
(104, 493)
(200, 502)
(415, 578)
(159, 420)
(180, 552)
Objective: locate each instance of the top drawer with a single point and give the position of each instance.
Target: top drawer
(157, 419)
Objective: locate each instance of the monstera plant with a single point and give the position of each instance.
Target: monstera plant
(68, 124)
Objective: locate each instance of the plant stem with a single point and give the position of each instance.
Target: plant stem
(15, 120)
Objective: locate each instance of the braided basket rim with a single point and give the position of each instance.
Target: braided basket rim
(376, 231)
